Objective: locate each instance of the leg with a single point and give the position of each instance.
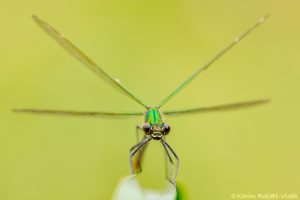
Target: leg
(135, 167)
(138, 160)
(174, 168)
(168, 162)
(137, 129)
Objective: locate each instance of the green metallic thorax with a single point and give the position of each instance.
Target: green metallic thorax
(153, 116)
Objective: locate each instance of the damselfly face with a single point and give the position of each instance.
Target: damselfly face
(154, 125)
(156, 131)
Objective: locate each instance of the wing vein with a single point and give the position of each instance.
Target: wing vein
(224, 107)
(212, 60)
(77, 113)
(83, 58)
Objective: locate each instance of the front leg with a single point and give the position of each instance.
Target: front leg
(173, 171)
(135, 165)
(137, 161)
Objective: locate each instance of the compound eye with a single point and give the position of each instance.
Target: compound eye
(166, 128)
(147, 128)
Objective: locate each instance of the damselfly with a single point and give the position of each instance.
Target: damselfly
(154, 126)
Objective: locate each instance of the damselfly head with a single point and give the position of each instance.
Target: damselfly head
(156, 131)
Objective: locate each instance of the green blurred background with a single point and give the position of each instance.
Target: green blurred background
(151, 46)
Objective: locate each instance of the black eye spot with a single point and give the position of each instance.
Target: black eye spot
(147, 128)
(166, 128)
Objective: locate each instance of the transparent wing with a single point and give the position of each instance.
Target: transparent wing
(212, 60)
(78, 113)
(223, 107)
(77, 53)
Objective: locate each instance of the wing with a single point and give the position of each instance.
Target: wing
(78, 113)
(77, 53)
(225, 107)
(212, 60)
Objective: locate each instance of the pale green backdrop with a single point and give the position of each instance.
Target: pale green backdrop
(151, 46)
